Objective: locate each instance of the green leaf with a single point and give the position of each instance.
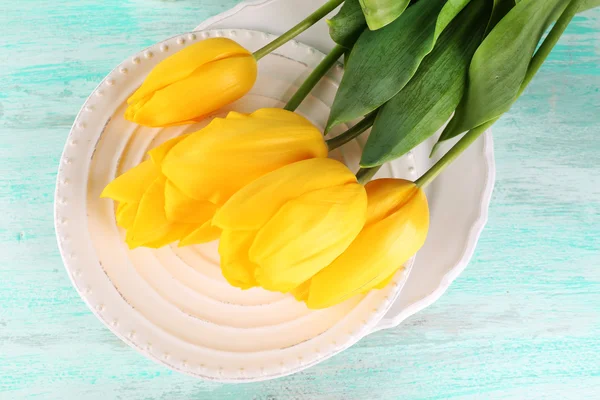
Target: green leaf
(500, 64)
(433, 93)
(585, 4)
(380, 13)
(588, 4)
(383, 61)
(348, 24)
(500, 9)
(449, 11)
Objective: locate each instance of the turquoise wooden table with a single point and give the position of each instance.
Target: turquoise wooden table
(522, 322)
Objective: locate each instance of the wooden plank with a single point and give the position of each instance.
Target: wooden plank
(522, 322)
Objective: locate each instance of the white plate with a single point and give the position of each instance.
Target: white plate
(459, 198)
(173, 304)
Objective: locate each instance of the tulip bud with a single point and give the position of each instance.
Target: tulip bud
(143, 213)
(396, 227)
(150, 207)
(128, 190)
(286, 226)
(215, 162)
(192, 83)
(131, 186)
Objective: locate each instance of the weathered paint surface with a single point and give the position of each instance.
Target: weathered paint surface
(522, 322)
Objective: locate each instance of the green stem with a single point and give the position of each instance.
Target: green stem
(548, 44)
(353, 132)
(364, 175)
(314, 77)
(536, 62)
(452, 154)
(299, 28)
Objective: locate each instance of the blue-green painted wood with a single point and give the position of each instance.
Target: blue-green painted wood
(522, 322)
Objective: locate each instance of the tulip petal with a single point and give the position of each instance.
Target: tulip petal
(183, 209)
(384, 282)
(279, 114)
(236, 267)
(386, 196)
(272, 114)
(379, 250)
(120, 208)
(175, 232)
(307, 234)
(300, 293)
(185, 62)
(133, 108)
(203, 234)
(125, 215)
(236, 115)
(252, 206)
(131, 186)
(150, 221)
(249, 148)
(157, 154)
(208, 88)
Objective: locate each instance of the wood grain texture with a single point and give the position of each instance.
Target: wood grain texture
(522, 322)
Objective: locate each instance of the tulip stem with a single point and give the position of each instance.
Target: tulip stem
(299, 28)
(536, 62)
(548, 44)
(353, 132)
(364, 175)
(314, 77)
(452, 154)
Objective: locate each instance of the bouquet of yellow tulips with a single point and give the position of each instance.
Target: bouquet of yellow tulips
(288, 218)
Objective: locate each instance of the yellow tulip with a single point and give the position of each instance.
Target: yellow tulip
(192, 83)
(196, 173)
(141, 210)
(128, 190)
(215, 162)
(131, 186)
(125, 215)
(153, 211)
(396, 227)
(286, 226)
(301, 292)
(182, 209)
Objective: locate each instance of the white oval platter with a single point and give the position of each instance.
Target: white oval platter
(459, 198)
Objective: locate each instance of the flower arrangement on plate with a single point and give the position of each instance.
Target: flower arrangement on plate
(260, 185)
